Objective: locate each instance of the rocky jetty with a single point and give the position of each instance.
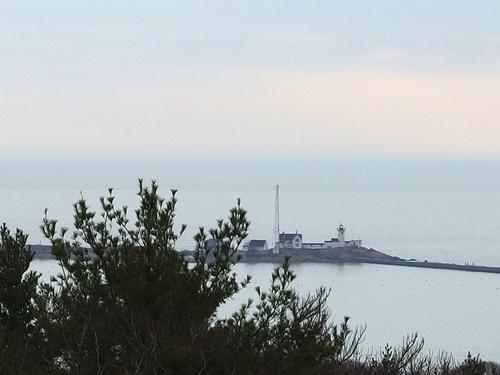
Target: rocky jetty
(341, 255)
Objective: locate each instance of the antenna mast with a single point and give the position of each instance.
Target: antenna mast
(277, 217)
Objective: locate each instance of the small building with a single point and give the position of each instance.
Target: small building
(333, 243)
(353, 243)
(290, 240)
(255, 246)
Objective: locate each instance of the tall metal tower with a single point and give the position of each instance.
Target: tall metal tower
(277, 219)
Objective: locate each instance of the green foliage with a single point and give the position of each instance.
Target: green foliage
(127, 302)
(395, 361)
(132, 304)
(19, 335)
(472, 366)
(287, 333)
(16, 288)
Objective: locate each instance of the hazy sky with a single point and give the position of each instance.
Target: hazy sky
(255, 78)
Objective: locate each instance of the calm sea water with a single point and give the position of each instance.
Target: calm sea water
(435, 210)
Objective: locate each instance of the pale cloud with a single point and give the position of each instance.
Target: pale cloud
(388, 55)
(255, 78)
(317, 39)
(259, 113)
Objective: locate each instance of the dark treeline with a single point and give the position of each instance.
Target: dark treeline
(138, 308)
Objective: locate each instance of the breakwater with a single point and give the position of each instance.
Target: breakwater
(334, 256)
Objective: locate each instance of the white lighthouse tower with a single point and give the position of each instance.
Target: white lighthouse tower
(341, 235)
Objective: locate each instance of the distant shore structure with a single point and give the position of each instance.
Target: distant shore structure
(276, 219)
(255, 246)
(294, 240)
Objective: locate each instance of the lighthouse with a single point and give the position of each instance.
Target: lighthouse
(341, 235)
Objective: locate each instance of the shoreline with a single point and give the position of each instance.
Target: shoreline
(347, 255)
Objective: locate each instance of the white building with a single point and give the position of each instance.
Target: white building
(293, 241)
(290, 241)
(254, 246)
(333, 242)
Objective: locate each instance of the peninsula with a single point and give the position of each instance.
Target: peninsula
(344, 255)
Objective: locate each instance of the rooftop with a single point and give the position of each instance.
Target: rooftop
(289, 236)
(257, 243)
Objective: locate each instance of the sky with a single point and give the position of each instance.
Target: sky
(310, 79)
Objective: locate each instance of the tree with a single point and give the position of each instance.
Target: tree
(286, 333)
(20, 340)
(126, 301)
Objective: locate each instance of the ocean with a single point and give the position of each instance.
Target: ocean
(436, 210)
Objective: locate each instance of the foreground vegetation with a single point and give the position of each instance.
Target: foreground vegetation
(137, 308)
